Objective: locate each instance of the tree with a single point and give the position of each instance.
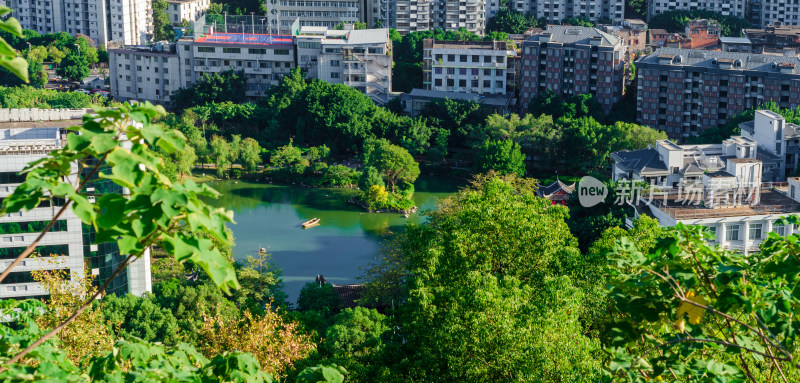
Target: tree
(675, 21)
(55, 55)
(275, 343)
(213, 88)
(162, 26)
(319, 297)
(503, 156)
(74, 67)
(222, 152)
(394, 164)
(578, 22)
(369, 176)
(251, 154)
(510, 21)
(142, 318)
(355, 341)
(490, 296)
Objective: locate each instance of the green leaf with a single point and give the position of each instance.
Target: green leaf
(4, 10)
(16, 65)
(112, 209)
(11, 25)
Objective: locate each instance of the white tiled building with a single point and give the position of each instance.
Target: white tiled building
(22, 142)
(144, 73)
(124, 21)
(736, 8)
(720, 186)
(423, 15)
(189, 10)
(769, 12)
(467, 66)
(360, 59)
(317, 13)
(556, 10)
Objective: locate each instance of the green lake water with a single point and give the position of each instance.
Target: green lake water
(346, 240)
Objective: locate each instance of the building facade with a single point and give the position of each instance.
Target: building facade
(413, 15)
(145, 73)
(68, 246)
(719, 186)
(703, 34)
(554, 11)
(775, 39)
(570, 61)
(124, 21)
(682, 91)
(738, 8)
(317, 13)
(189, 10)
(361, 59)
(480, 67)
(786, 12)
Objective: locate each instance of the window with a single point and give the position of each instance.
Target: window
(334, 62)
(780, 230)
(206, 49)
(334, 74)
(755, 231)
(713, 230)
(732, 232)
(231, 50)
(257, 51)
(282, 52)
(438, 82)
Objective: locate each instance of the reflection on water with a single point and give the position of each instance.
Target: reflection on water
(347, 238)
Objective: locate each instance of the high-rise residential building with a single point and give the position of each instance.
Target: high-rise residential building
(327, 13)
(361, 59)
(554, 11)
(413, 15)
(455, 14)
(145, 73)
(570, 61)
(777, 12)
(736, 8)
(24, 138)
(189, 10)
(683, 91)
(480, 67)
(124, 21)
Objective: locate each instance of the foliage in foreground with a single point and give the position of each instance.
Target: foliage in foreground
(693, 311)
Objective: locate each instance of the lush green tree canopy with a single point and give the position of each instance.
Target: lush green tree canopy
(510, 21)
(504, 157)
(675, 21)
(213, 88)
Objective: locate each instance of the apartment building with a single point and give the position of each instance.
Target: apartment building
(360, 59)
(357, 58)
(124, 21)
(738, 8)
(775, 38)
(22, 140)
(189, 10)
(554, 11)
(144, 72)
(480, 67)
(413, 15)
(326, 13)
(778, 144)
(683, 91)
(777, 12)
(718, 186)
(570, 61)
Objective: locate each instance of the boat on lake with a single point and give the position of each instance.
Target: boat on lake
(311, 223)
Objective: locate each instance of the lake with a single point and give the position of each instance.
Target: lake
(346, 240)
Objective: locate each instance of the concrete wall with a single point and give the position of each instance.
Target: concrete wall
(35, 114)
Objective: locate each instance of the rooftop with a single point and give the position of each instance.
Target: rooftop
(28, 140)
(772, 202)
(791, 131)
(577, 35)
(706, 59)
(735, 40)
(245, 38)
(492, 100)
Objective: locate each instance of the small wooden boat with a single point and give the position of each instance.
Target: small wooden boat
(311, 223)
